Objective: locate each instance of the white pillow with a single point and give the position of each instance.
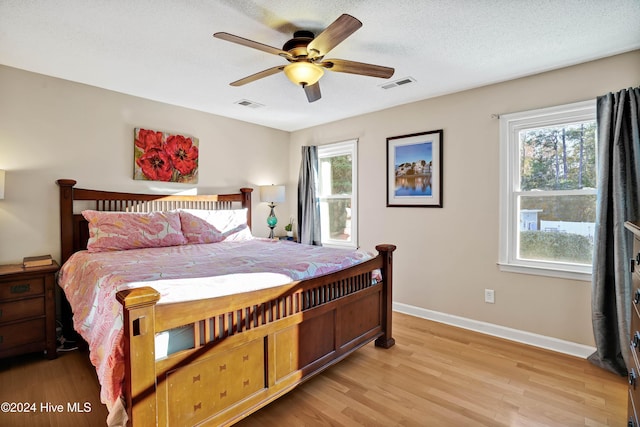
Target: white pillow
(203, 226)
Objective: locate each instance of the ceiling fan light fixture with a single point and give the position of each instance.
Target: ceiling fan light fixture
(303, 73)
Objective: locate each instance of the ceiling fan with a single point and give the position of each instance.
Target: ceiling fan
(305, 53)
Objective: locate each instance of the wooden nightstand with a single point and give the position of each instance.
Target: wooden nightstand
(27, 310)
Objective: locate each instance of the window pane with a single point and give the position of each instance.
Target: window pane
(335, 175)
(337, 191)
(557, 228)
(558, 157)
(336, 215)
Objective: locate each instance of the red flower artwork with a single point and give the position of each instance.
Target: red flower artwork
(183, 153)
(148, 139)
(155, 165)
(161, 156)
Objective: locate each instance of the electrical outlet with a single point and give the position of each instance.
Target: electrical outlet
(489, 296)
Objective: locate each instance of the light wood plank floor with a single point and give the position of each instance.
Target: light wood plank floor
(435, 375)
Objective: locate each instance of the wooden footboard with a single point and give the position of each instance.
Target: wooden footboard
(251, 348)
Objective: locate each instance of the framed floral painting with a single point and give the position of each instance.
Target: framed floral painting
(162, 156)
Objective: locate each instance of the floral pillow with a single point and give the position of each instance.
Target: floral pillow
(115, 231)
(203, 226)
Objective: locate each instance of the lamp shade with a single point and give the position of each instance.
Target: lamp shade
(1, 184)
(303, 73)
(272, 193)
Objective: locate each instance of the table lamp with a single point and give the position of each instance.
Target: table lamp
(272, 194)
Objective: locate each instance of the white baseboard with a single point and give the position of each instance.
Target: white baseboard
(549, 343)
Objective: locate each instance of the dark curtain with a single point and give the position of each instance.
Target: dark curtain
(308, 205)
(617, 202)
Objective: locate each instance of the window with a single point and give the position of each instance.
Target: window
(548, 190)
(337, 181)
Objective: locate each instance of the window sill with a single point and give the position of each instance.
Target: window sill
(334, 244)
(548, 272)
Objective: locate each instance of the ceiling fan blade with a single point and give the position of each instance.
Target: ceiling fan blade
(253, 44)
(333, 35)
(313, 92)
(352, 67)
(258, 75)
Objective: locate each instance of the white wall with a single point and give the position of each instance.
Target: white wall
(447, 257)
(52, 128)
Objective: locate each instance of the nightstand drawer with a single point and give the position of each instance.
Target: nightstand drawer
(21, 333)
(27, 309)
(21, 288)
(21, 309)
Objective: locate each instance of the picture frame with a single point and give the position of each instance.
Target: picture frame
(414, 170)
(165, 156)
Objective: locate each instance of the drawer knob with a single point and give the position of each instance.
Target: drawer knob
(636, 297)
(632, 378)
(20, 289)
(636, 339)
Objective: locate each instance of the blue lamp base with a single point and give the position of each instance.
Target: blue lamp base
(272, 220)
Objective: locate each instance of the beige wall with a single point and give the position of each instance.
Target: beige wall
(52, 128)
(447, 257)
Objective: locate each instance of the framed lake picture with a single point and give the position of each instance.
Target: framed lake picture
(414, 170)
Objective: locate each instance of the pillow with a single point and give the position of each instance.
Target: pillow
(202, 226)
(114, 231)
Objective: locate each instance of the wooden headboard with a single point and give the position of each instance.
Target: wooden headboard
(74, 232)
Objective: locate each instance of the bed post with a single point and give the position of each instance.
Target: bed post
(66, 218)
(386, 251)
(139, 354)
(246, 203)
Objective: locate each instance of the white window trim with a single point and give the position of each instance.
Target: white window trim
(337, 149)
(510, 126)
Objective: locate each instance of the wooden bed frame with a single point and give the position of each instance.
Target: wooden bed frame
(254, 347)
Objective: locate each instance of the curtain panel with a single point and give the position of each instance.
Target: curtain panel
(308, 203)
(617, 201)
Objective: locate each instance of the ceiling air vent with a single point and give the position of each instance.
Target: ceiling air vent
(247, 103)
(396, 83)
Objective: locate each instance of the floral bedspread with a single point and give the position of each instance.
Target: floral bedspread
(91, 280)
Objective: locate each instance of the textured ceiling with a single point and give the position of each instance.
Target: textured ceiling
(164, 50)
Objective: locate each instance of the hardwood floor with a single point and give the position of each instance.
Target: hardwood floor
(39, 386)
(435, 375)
